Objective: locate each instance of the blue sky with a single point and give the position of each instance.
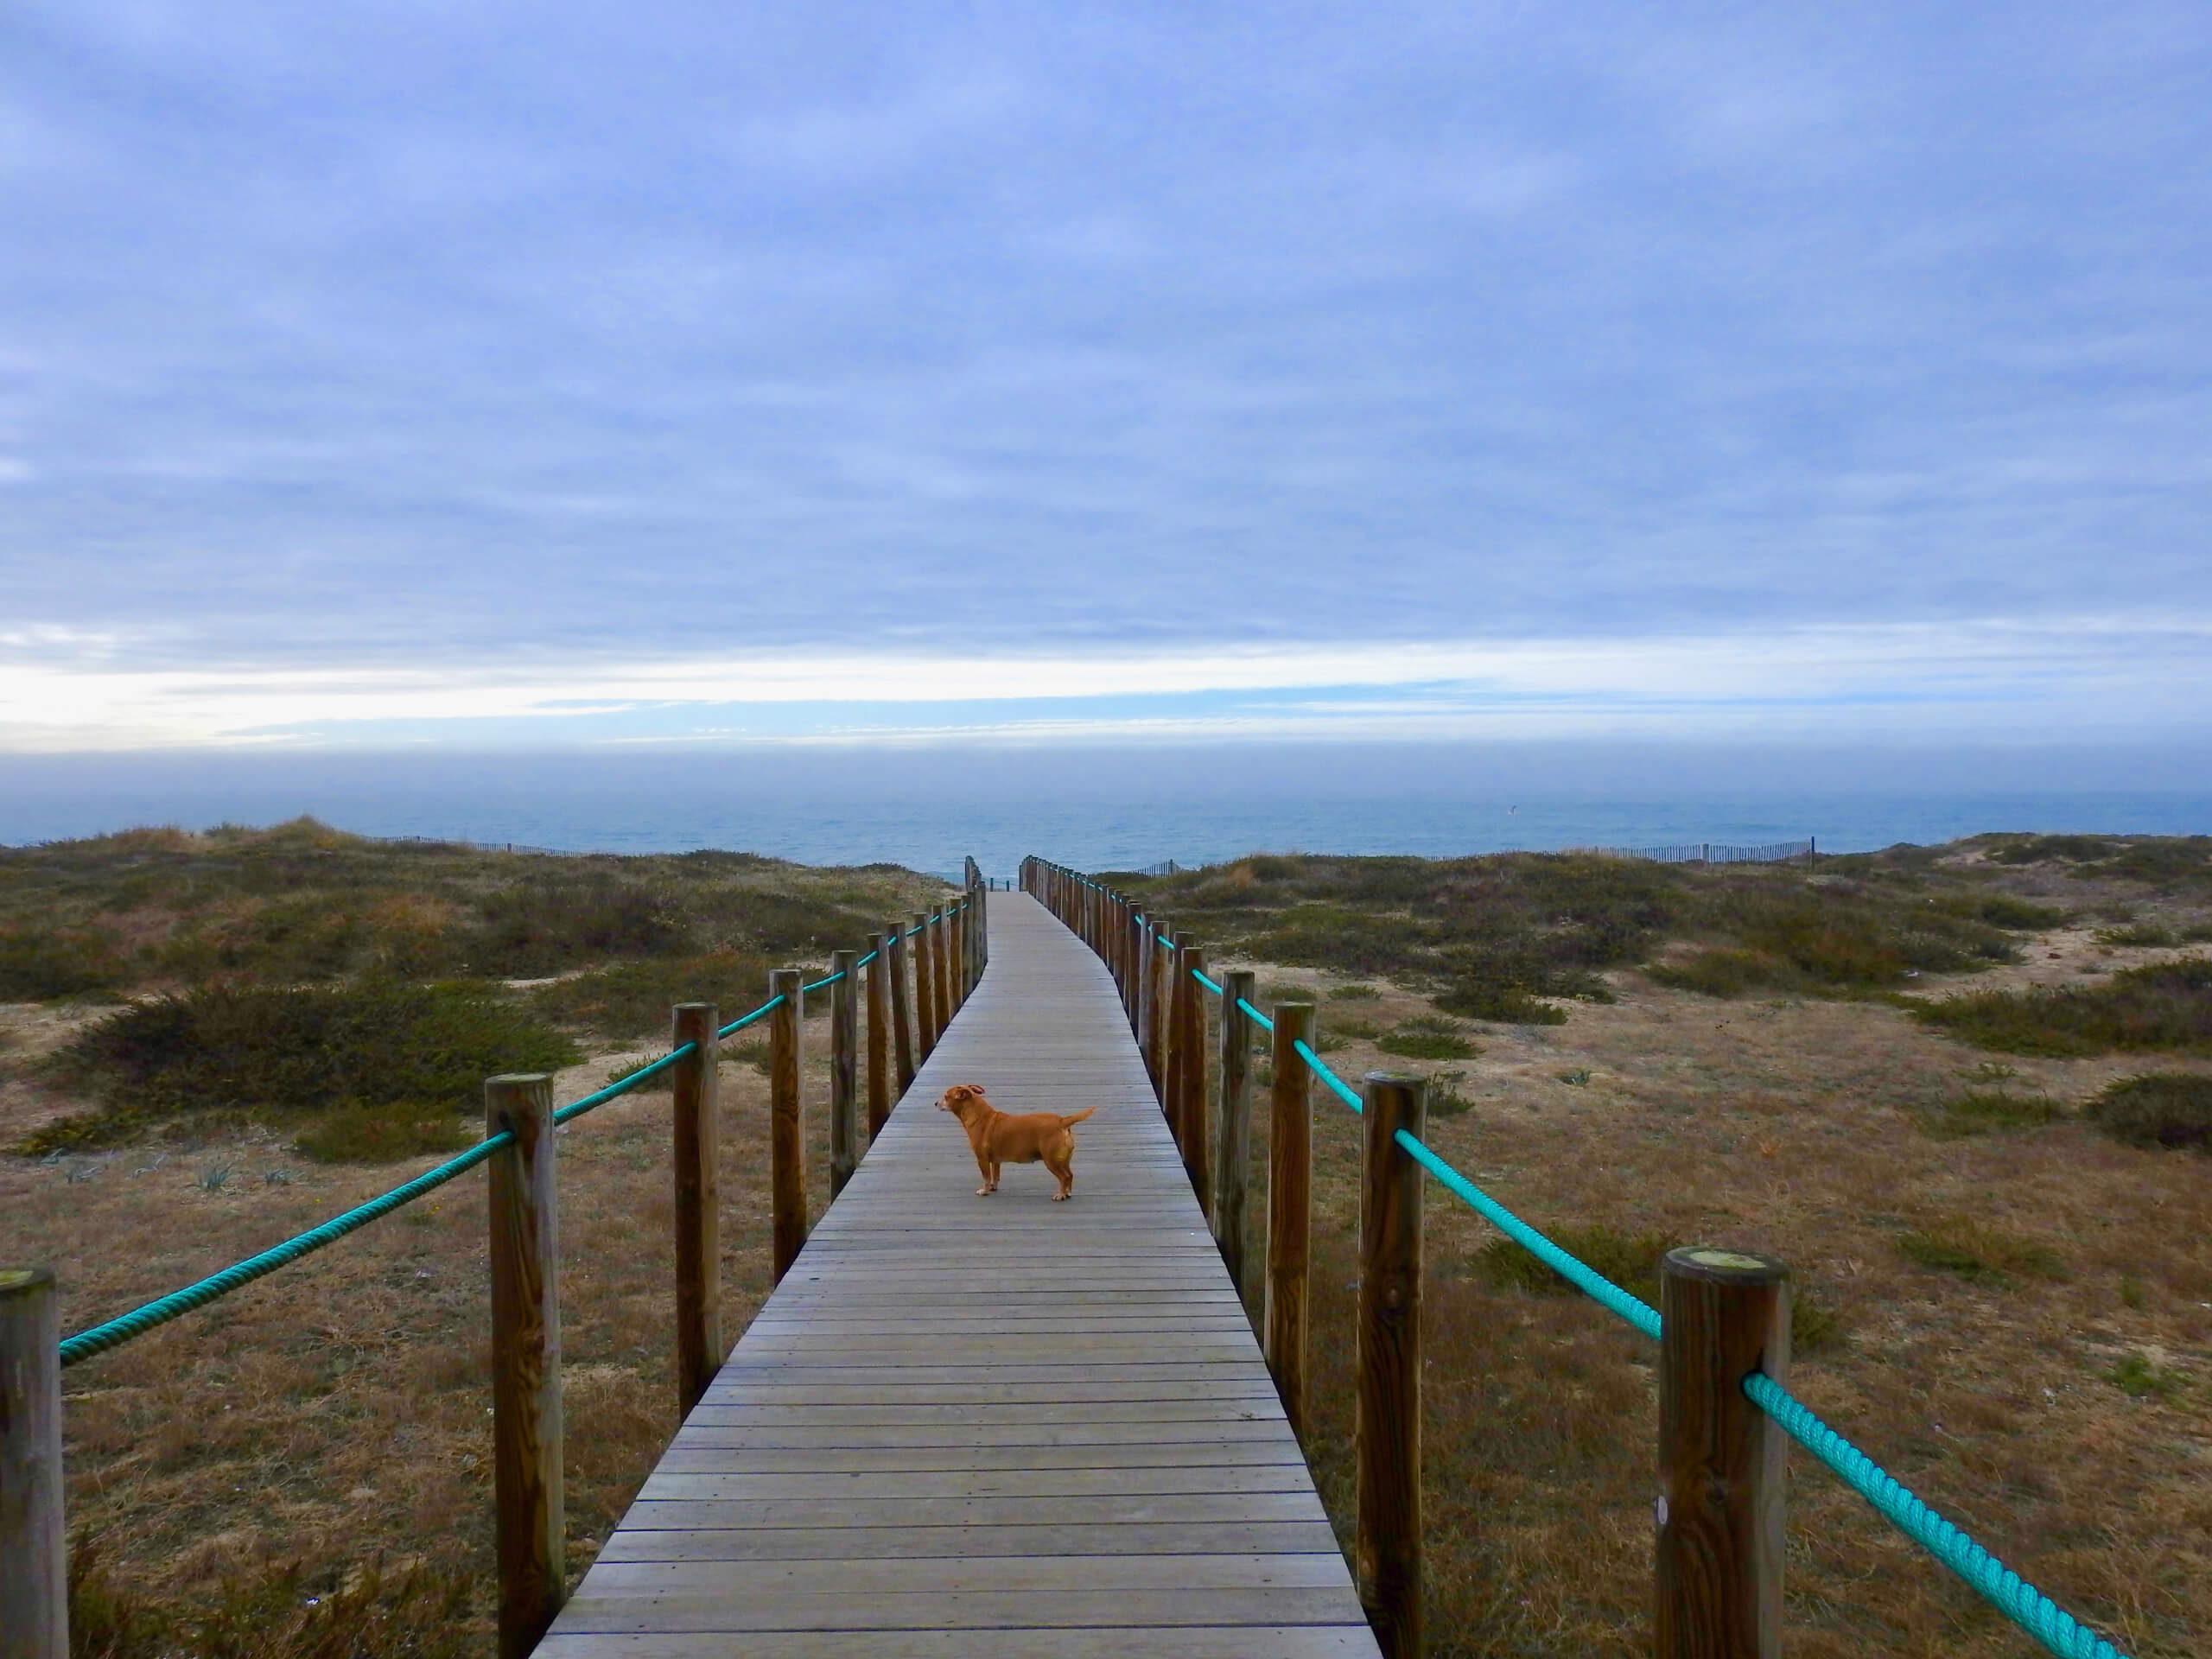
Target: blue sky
(508, 376)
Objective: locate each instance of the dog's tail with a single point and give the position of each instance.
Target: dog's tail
(1069, 1118)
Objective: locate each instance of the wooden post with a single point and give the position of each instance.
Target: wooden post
(925, 990)
(1387, 1431)
(1290, 1217)
(526, 1460)
(1233, 1148)
(1197, 1126)
(787, 1127)
(956, 954)
(34, 1546)
(696, 1124)
(1726, 1314)
(1146, 944)
(844, 1068)
(1170, 1061)
(902, 1018)
(943, 980)
(1159, 983)
(1132, 962)
(879, 1036)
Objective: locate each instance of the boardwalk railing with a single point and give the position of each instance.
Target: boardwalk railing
(918, 975)
(1725, 1411)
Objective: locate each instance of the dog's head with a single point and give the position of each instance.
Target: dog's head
(962, 1100)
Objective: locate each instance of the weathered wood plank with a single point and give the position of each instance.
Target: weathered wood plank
(1240, 1642)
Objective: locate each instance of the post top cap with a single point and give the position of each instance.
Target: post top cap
(1402, 1079)
(1739, 1266)
(521, 1076)
(13, 1279)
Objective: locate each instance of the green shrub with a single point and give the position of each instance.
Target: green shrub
(1354, 994)
(294, 1048)
(2002, 909)
(2134, 1374)
(1814, 1328)
(552, 923)
(1980, 1111)
(1978, 1253)
(1426, 1037)
(386, 1135)
(2036, 849)
(632, 999)
(2160, 1006)
(1363, 1031)
(37, 965)
(1830, 941)
(1444, 1099)
(2168, 1108)
(1630, 1260)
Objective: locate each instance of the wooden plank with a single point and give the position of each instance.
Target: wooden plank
(846, 1544)
(963, 1611)
(896, 1485)
(1240, 1642)
(827, 1576)
(875, 1459)
(989, 1427)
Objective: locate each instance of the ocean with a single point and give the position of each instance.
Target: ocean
(1095, 811)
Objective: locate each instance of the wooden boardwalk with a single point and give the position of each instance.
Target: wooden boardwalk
(989, 1427)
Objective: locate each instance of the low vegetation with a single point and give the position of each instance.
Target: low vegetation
(158, 910)
(2165, 1005)
(2027, 1362)
(2165, 1109)
(422, 1052)
(1978, 1251)
(1428, 1038)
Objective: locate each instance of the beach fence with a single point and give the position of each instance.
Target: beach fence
(1714, 852)
(1725, 1415)
(902, 991)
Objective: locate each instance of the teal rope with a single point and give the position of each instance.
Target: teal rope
(1584, 1278)
(760, 1012)
(2006, 1590)
(578, 1108)
(819, 983)
(117, 1330)
(1322, 1072)
(2010, 1594)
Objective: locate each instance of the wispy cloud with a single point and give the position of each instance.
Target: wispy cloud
(2105, 675)
(1631, 359)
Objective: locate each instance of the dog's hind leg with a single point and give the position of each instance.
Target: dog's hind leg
(1064, 1172)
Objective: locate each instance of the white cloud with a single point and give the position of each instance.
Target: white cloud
(1994, 676)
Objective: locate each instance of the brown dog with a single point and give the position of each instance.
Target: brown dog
(997, 1137)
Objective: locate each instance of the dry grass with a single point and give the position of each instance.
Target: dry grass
(334, 1416)
(328, 1426)
(2058, 1405)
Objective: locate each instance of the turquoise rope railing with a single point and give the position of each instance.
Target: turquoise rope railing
(2005, 1589)
(99, 1339)
(114, 1333)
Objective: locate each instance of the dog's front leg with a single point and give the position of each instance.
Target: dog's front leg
(989, 1172)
